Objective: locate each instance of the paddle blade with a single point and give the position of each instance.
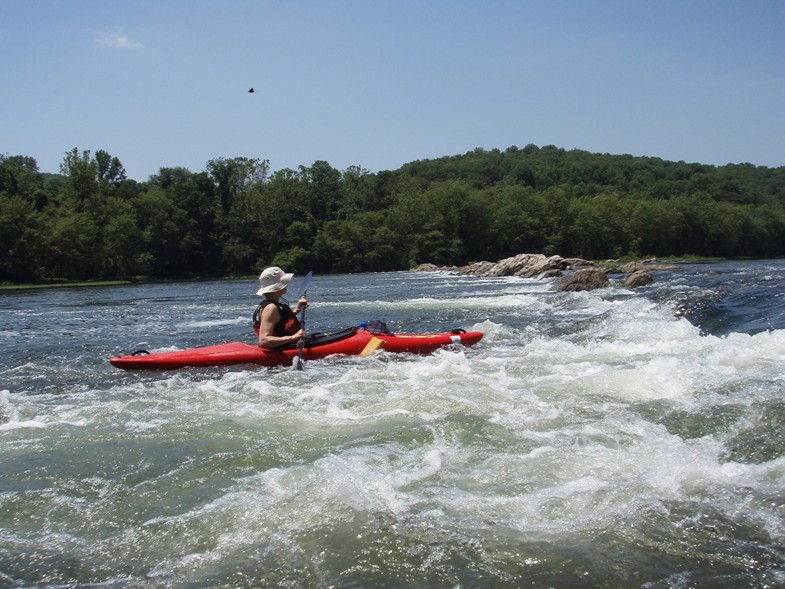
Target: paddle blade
(374, 344)
(306, 282)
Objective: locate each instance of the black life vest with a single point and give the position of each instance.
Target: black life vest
(287, 323)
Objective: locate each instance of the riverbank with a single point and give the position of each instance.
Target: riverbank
(65, 284)
(135, 280)
(142, 279)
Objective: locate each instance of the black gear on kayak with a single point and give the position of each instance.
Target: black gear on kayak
(376, 327)
(319, 339)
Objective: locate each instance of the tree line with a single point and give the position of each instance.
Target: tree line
(237, 216)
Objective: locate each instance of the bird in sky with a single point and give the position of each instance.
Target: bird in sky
(251, 90)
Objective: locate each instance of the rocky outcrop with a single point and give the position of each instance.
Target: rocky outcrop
(583, 279)
(478, 269)
(619, 267)
(638, 278)
(524, 265)
(575, 263)
(427, 268)
(570, 273)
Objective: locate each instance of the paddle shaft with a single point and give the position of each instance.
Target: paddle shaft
(301, 343)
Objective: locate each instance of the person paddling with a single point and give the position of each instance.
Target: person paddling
(275, 321)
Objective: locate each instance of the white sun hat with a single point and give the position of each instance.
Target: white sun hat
(273, 279)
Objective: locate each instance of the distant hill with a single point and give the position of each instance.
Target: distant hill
(236, 216)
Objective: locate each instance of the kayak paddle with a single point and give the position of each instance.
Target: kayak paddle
(303, 290)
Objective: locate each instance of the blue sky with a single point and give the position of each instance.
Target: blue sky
(379, 83)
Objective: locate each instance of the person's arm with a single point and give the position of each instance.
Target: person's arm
(271, 316)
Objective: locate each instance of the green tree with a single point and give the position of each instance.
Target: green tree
(340, 246)
(357, 190)
(22, 240)
(81, 172)
(19, 176)
(109, 169)
(323, 193)
(234, 176)
(655, 226)
(122, 246)
(73, 251)
(384, 253)
(159, 221)
(194, 194)
(598, 228)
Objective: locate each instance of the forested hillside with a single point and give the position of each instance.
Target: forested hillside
(236, 216)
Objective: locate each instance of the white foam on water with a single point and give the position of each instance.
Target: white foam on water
(28, 424)
(7, 410)
(19, 413)
(640, 352)
(209, 323)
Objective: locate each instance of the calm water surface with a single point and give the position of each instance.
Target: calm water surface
(615, 438)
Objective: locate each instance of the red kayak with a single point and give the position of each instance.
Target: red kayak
(350, 342)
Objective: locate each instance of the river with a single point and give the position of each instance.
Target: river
(613, 438)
